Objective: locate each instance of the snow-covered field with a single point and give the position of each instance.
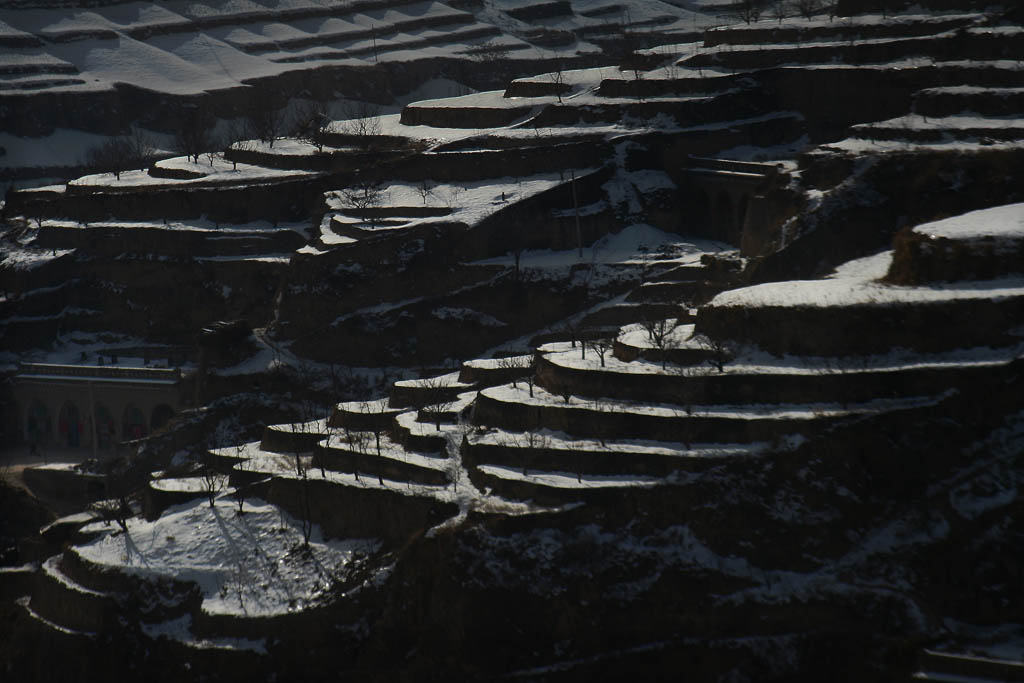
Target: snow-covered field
(249, 565)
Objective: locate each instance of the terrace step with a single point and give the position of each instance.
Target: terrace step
(419, 436)
(634, 312)
(297, 437)
(923, 25)
(52, 628)
(986, 102)
(545, 450)
(427, 391)
(375, 415)
(895, 316)
(673, 292)
(556, 488)
(691, 376)
(489, 372)
(465, 36)
(60, 600)
(513, 409)
(917, 129)
(961, 668)
(357, 452)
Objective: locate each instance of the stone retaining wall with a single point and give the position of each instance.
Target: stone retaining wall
(608, 462)
(112, 241)
(920, 259)
(678, 427)
(541, 494)
(371, 466)
(286, 441)
(351, 512)
(462, 117)
(703, 385)
(287, 200)
(937, 103)
(839, 331)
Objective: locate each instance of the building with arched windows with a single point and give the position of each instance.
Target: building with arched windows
(92, 407)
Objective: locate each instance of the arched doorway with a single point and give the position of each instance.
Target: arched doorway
(106, 428)
(162, 414)
(69, 425)
(38, 427)
(133, 423)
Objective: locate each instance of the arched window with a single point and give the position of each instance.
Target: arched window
(133, 423)
(38, 427)
(106, 428)
(70, 426)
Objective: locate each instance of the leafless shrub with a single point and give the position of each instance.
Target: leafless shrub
(361, 121)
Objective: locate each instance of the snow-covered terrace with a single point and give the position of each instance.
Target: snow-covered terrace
(220, 172)
(560, 441)
(541, 398)
(857, 284)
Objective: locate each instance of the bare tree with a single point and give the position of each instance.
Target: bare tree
(780, 10)
(241, 491)
(516, 366)
(558, 78)
(264, 119)
(436, 399)
(236, 135)
(119, 489)
(364, 195)
(747, 11)
(362, 122)
(210, 476)
(531, 442)
(113, 155)
(312, 123)
(425, 190)
(658, 333)
(807, 8)
(453, 194)
(142, 147)
(192, 136)
(601, 346)
(720, 352)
